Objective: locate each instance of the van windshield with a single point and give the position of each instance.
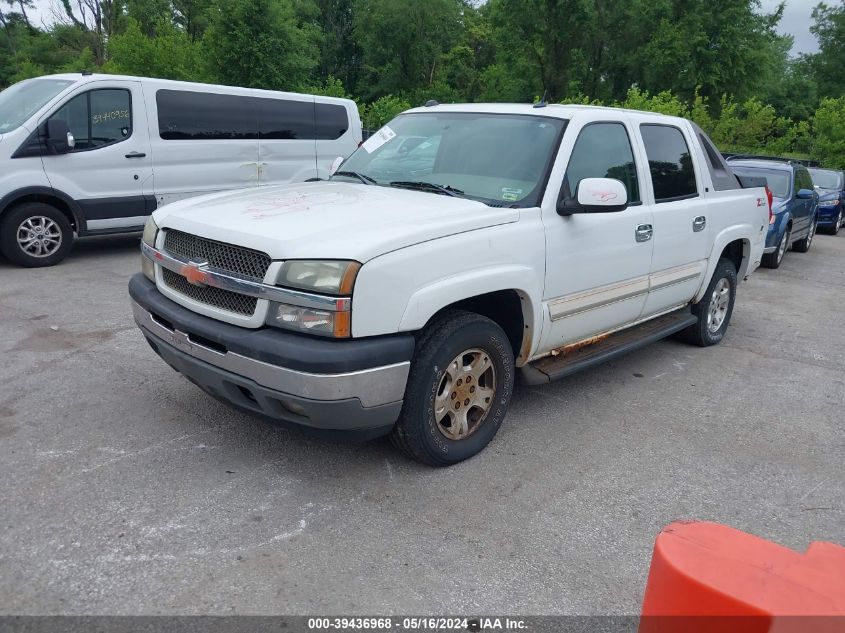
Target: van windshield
(21, 101)
(501, 160)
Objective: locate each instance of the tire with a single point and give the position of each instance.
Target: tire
(837, 223)
(803, 245)
(774, 260)
(714, 304)
(51, 230)
(436, 397)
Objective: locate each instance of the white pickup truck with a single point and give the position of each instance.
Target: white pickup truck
(459, 247)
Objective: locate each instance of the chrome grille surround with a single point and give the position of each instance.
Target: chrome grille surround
(209, 295)
(228, 257)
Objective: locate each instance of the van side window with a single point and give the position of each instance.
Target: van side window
(602, 150)
(283, 119)
(98, 118)
(186, 115)
(332, 121)
(670, 163)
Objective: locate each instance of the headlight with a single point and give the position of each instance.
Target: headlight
(829, 203)
(150, 232)
(325, 277)
(149, 238)
(313, 321)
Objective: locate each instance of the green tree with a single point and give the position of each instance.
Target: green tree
(168, 52)
(403, 43)
(381, 111)
(829, 133)
(262, 43)
(829, 63)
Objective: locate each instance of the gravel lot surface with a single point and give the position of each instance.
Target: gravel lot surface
(126, 490)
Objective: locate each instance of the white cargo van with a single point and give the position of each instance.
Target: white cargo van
(90, 154)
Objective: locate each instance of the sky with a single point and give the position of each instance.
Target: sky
(796, 20)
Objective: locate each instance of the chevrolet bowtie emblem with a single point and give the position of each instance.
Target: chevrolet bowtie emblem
(195, 273)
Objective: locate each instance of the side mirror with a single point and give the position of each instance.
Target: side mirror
(336, 165)
(59, 137)
(596, 195)
(804, 194)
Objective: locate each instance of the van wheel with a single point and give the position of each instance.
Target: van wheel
(837, 222)
(715, 308)
(458, 390)
(35, 234)
(802, 246)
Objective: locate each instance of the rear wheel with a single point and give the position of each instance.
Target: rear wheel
(35, 234)
(774, 259)
(458, 390)
(802, 246)
(715, 308)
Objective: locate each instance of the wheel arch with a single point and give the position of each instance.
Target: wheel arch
(62, 202)
(733, 243)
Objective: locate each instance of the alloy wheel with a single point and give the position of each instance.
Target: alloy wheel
(719, 302)
(39, 236)
(465, 394)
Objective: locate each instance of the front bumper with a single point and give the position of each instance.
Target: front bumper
(827, 215)
(319, 383)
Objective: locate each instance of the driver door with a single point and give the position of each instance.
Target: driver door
(109, 170)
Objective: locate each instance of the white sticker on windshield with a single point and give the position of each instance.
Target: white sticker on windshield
(378, 139)
(511, 194)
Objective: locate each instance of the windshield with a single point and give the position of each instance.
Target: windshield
(777, 180)
(21, 101)
(501, 160)
(826, 179)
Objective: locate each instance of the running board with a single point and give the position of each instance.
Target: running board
(602, 350)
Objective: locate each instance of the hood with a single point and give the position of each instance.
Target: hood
(826, 195)
(328, 220)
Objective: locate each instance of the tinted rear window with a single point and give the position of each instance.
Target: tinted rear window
(185, 115)
(669, 162)
(198, 116)
(281, 119)
(332, 121)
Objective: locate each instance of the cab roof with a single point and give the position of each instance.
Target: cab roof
(555, 110)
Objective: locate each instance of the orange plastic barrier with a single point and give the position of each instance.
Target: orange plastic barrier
(711, 577)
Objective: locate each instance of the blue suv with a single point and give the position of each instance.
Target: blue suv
(831, 187)
(794, 205)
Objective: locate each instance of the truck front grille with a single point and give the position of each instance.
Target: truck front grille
(216, 297)
(228, 257)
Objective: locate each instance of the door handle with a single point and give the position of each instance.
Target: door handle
(643, 232)
(135, 155)
(699, 223)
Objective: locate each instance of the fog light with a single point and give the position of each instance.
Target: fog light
(294, 408)
(324, 322)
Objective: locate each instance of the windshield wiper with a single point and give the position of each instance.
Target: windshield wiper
(428, 186)
(367, 180)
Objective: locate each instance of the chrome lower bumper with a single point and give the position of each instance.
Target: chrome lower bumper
(372, 387)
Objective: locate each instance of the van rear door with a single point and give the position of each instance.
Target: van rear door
(109, 170)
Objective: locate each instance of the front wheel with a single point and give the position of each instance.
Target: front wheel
(837, 222)
(715, 308)
(802, 246)
(35, 234)
(458, 391)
